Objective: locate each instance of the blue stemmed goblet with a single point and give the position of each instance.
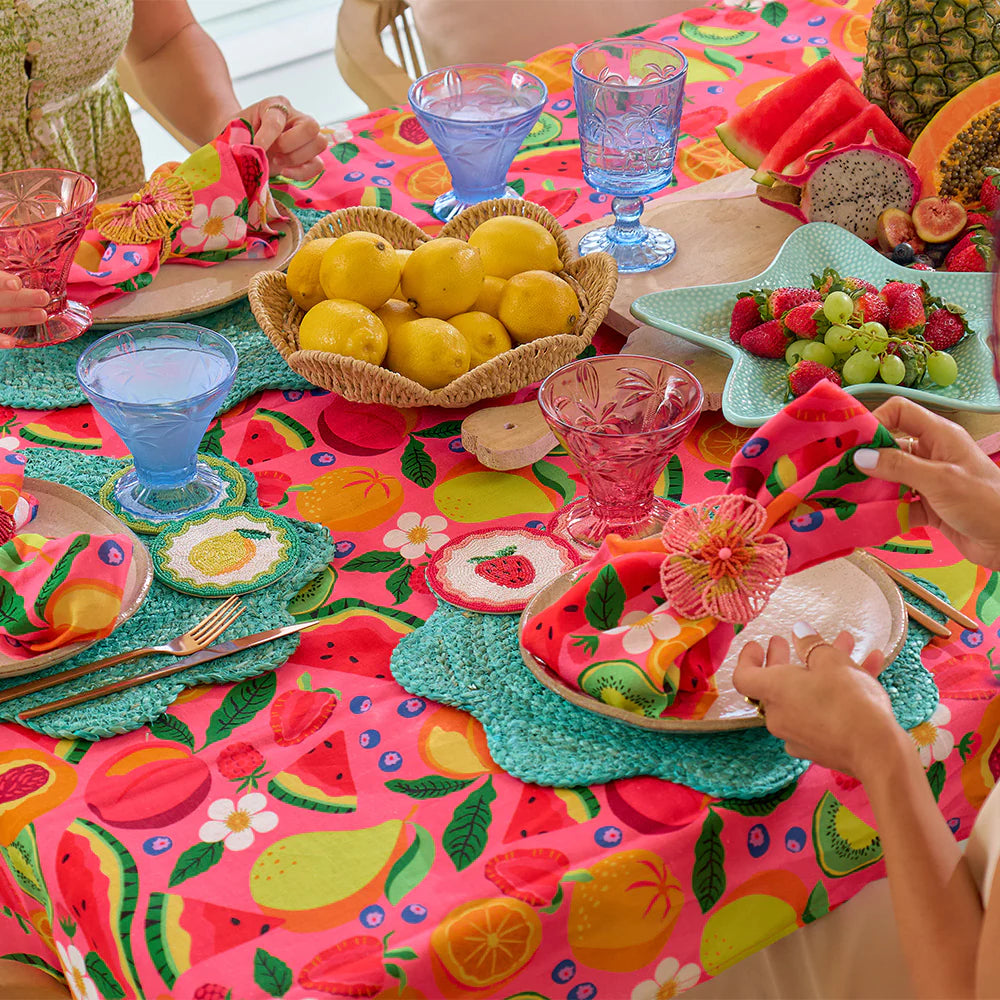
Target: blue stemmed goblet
(628, 96)
(159, 385)
(477, 116)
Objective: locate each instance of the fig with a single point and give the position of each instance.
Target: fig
(938, 218)
(895, 226)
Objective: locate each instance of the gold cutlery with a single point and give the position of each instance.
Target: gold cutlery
(928, 623)
(925, 595)
(211, 653)
(198, 637)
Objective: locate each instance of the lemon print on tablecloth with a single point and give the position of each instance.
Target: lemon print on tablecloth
(222, 552)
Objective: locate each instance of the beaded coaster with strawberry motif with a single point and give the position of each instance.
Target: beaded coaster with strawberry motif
(221, 552)
(498, 571)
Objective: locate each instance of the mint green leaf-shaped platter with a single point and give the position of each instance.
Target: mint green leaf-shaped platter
(755, 387)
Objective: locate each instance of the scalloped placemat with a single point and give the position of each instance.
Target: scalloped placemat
(44, 378)
(473, 661)
(164, 614)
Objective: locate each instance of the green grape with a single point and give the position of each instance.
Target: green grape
(942, 367)
(838, 307)
(876, 336)
(860, 367)
(892, 369)
(793, 353)
(815, 351)
(840, 339)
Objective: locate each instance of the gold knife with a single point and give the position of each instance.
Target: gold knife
(924, 594)
(209, 653)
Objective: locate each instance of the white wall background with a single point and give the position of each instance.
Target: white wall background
(272, 47)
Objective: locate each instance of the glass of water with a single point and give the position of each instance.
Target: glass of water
(159, 385)
(477, 116)
(628, 94)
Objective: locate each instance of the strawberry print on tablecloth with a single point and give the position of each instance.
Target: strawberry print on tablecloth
(500, 570)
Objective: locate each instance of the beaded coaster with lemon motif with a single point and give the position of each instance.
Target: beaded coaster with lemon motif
(221, 552)
(236, 493)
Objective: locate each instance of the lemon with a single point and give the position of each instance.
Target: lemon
(442, 277)
(510, 245)
(538, 304)
(401, 256)
(361, 267)
(396, 312)
(485, 333)
(488, 300)
(429, 351)
(342, 327)
(302, 279)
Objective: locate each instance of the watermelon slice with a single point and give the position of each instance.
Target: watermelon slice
(182, 932)
(320, 779)
(840, 102)
(751, 133)
(543, 810)
(854, 131)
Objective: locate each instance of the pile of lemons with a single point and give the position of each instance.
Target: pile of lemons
(432, 313)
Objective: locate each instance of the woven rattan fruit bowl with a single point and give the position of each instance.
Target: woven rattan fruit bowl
(593, 278)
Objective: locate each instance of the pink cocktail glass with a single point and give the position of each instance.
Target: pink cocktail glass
(620, 418)
(43, 216)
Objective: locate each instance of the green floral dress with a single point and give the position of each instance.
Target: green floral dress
(60, 103)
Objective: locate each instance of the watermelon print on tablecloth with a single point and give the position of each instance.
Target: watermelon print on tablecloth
(498, 571)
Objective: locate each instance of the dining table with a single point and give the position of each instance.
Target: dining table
(170, 860)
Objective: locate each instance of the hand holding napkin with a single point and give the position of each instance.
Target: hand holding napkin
(649, 621)
(53, 591)
(215, 205)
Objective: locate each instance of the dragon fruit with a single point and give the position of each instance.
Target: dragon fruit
(850, 187)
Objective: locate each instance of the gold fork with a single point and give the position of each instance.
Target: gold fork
(195, 639)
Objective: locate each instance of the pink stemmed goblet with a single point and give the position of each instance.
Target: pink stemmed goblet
(43, 216)
(620, 418)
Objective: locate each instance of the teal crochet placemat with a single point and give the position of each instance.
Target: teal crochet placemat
(44, 378)
(164, 614)
(473, 661)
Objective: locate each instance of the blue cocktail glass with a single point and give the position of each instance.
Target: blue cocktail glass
(159, 385)
(477, 116)
(628, 94)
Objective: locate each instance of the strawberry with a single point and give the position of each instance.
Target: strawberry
(906, 314)
(989, 193)
(945, 327)
(298, 713)
(973, 252)
(870, 307)
(351, 968)
(529, 874)
(505, 568)
(891, 290)
(858, 285)
(241, 762)
(746, 315)
(801, 321)
(782, 299)
(212, 991)
(806, 374)
(977, 219)
(920, 266)
(767, 340)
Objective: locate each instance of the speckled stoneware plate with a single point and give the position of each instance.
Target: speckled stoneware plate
(184, 291)
(62, 511)
(755, 387)
(869, 606)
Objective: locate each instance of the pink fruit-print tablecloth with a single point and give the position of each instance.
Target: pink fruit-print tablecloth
(736, 51)
(170, 862)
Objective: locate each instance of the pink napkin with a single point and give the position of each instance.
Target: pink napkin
(215, 205)
(649, 621)
(53, 591)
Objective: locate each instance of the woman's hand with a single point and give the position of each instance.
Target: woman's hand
(20, 306)
(959, 486)
(827, 708)
(291, 139)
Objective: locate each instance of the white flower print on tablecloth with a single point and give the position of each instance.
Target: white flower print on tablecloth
(236, 825)
(214, 228)
(932, 740)
(669, 980)
(414, 535)
(638, 629)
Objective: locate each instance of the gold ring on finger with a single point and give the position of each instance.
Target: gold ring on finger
(756, 705)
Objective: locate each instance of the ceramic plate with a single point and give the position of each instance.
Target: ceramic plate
(184, 291)
(852, 593)
(755, 387)
(62, 511)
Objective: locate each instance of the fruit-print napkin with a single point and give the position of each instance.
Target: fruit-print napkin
(53, 591)
(649, 621)
(215, 205)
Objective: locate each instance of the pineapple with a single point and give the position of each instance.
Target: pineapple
(923, 52)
